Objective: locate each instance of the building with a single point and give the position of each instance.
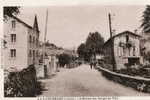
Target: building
(145, 41)
(145, 47)
(50, 60)
(53, 60)
(122, 49)
(22, 44)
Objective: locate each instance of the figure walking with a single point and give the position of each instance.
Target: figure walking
(91, 64)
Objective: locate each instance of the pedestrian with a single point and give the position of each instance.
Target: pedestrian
(95, 64)
(91, 64)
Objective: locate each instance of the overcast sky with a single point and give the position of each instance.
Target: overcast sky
(69, 26)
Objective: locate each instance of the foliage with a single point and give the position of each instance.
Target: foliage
(94, 42)
(82, 51)
(147, 56)
(22, 84)
(91, 47)
(146, 20)
(10, 10)
(64, 59)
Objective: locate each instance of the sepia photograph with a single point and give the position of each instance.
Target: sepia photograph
(76, 51)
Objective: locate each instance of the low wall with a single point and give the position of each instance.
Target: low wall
(22, 84)
(138, 83)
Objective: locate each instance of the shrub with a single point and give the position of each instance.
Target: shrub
(64, 59)
(22, 84)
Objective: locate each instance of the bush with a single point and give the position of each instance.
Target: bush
(22, 84)
(64, 59)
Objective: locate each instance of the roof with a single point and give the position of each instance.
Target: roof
(125, 32)
(27, 25)
(54, 52)
(19, 20)
(35, 25)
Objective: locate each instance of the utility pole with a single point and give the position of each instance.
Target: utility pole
(112, 44)
(110, 29)
(44, 46)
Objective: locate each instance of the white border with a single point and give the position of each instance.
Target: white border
(59, 3)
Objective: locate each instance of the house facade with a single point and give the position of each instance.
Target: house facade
(50, 61)
(53, 60)
(22, 43)
(125, 48)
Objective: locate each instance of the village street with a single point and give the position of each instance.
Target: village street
(82, 81)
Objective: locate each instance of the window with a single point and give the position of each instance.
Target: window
(13, 52)
(33, 54)
(33, 40)
(37, 53)
(13, 23)
(13, 37)
(134, 51)
(30, 39)
(127, 38)
(124, 53)
(30, 53)
(129, 51)
(37, 42)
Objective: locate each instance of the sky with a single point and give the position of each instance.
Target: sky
(69, 26)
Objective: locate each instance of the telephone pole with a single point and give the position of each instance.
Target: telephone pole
(110, 29)
(44, 46)
(112, 44)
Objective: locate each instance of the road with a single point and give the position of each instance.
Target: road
(82, 81)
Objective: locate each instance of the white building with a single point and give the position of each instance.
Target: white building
(125, 47)
(22, 43)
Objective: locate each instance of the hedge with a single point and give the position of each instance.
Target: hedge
(22, 84)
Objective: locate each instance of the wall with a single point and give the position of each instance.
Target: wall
(53, 64)
(108, 55)
(138, 83)
(20, 61)
(122, 57)
(32, 46)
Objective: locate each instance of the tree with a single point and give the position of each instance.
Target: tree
(146, 20)
(81, 50)
(91, 47)
(9, 11)
(94, 43)
(64, 59)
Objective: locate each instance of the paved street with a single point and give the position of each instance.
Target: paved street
(82, 81)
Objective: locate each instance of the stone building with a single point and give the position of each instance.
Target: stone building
(22, 44)
(123, 48)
